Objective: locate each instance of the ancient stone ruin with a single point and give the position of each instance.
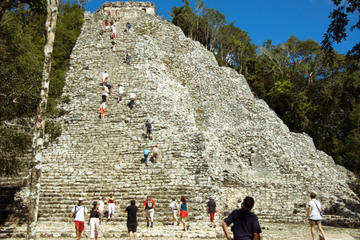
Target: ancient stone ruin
(117, 8)
(215, 138)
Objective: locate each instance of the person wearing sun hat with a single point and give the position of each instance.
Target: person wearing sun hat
(80, 214)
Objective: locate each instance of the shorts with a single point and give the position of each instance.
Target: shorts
(102, 111)
(184, 214)
(132, 227)
(212, 216)
(148, 130)
(79, 225)
(149, 213)
(314, 222)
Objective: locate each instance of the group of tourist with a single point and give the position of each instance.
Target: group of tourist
(111, 27)
(245, 223)
(108, 90)
(80, 214)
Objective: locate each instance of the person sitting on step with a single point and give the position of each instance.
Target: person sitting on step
(132, 100)
(128, 58)
(128, 26)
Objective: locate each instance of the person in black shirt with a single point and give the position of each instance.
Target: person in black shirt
(131, 219)
(211, 209)
(245, 224)
(148, 129)
(94, 222)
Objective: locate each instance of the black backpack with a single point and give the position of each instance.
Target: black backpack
(77, 209)
(149, 204)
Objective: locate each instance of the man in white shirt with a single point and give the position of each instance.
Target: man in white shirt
(120, 92)
(79, 213)
(314, 215)
(174, 208)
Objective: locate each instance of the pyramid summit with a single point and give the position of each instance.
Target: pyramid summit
(215, 138)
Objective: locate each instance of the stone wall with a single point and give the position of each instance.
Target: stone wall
(117, 8)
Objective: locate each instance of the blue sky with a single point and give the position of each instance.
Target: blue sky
(268, 19)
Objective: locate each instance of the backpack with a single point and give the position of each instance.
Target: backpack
(149, 204)
(175, 206)
(77, 209)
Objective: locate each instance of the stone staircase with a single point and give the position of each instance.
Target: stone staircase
(96, 157)
(215, 139)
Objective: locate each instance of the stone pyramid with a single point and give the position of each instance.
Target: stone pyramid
(215, 138)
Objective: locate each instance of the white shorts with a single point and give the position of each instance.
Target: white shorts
(149, 213)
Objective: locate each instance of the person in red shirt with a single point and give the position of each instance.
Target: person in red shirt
(149, 209)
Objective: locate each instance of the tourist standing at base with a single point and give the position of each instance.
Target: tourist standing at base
(79, 213)
(102, 205)
(174, 209)
(111, 206)
(149, 209)
(314, 216)
(132, 219)
(246, 224)
(211, 209)
(184, 212)
(95, 218)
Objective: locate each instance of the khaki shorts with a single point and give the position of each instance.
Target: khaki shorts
(314, 222)
(149, 213)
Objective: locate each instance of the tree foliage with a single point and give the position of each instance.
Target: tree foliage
(22, 39)
(294, 78)
(337, 30)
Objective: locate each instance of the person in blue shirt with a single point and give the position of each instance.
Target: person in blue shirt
(245, 223)
(146, 156)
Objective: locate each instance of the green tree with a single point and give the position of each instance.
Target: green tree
(337, 30)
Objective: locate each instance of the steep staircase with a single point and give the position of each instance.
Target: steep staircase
(204, 151)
